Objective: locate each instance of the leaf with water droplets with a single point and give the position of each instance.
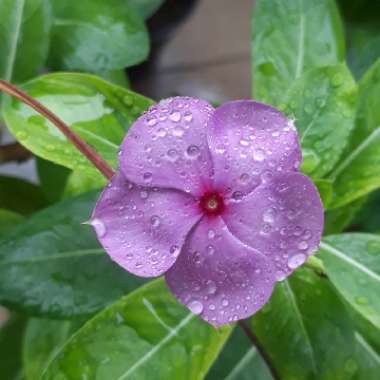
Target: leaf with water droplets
(306, 330)
(97, 111)
(142, 335)
(323, 109)
(43, 338)
(52, 265)
(358, 172)
(352, 262)
(285, 45)
(79, 41)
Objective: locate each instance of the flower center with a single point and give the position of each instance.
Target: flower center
(212, 203)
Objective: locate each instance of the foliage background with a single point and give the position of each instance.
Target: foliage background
(76, 315)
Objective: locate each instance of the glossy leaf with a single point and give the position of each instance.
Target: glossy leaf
(98, 111)
(10, 348)
(368, 218)
(43, 339)
(368, 360)
(52, 178)
(306, 331)
(8, 220)
(352, 262)
(53, 265)
(239, 360)
(145, 8)
(20, 196)
(338, 219)
(325, 191)
(96, 35)
(359, 171)
(80, 182)
(322, 103)
(24, 37)
(145, 333)
(289, 38)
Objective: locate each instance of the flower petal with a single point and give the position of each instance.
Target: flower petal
(283, 219)
(167, 146)
(143, 229)
(249, 142)
(218, 277)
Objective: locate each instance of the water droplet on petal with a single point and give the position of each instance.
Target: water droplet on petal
(210, 287)
(211, 234)
(258, 155)
(225, 302)
(193, 152)
(147, 177)
(303, 245)
(155, 221)
(178, 131)
(195, 307)
(174, 250)
(175, 116)
(99, 226)
(296, 260)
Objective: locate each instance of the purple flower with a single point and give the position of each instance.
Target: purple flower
(214, 199)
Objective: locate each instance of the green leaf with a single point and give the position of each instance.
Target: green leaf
(352, 262)
(98, 111)
(290, 37)
(239, 360)
(10, 347)
(52, 179)
(145, 334)
(368, 360)
(325, 191)
(81, 182)
(368, 218)
(8, 220)
(322, 103)
(24, 38)
(52, 265)
(20, 196)
(42, 341)
(306, 330)
(79, 41)
(338, 219)
(359, 171)
(145, 8)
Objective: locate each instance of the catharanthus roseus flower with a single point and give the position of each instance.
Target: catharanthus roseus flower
(213, 199)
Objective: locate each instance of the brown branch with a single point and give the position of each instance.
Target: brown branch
(13, 152)
(81, 145)
(253, 338)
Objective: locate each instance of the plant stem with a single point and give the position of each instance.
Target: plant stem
(253, 338)
(103, 167)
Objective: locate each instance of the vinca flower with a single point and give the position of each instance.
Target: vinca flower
(213, 199)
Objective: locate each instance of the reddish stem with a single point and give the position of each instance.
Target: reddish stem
(103, 167)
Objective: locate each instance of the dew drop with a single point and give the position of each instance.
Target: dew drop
(269, 215)
(155, 221)
(193, 152)
(178, 131)
(280, 275)
(296, 260)
(361, 300)
(258, 155)
(175, 116)
(174, 250)
(303, 245)
(161, 132)
(210, 287)
(244, 178)
(99, 226)
(211, 234)
(195, 307)
(210, 250)
(144, 194)
(147, 177)
(225, 302)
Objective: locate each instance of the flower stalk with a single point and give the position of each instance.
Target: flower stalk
(103, 167)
